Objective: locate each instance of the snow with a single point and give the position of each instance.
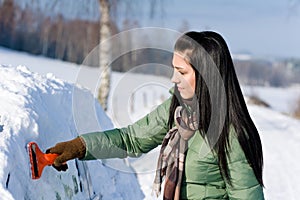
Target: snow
(280, 99)
(39, 108)
(280, 140)
(33, 106)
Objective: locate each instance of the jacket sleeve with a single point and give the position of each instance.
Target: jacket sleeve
(133, 140)
(244, 183)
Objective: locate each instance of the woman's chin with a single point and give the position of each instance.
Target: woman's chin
(186, 96)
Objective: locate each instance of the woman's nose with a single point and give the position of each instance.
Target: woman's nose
(175, 78)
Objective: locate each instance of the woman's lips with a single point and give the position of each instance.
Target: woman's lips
(180, 89)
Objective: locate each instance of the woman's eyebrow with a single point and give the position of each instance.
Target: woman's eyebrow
(178, 67)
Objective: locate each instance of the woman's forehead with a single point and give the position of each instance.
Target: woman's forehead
(179, 59)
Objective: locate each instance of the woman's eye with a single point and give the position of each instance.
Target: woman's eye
(182, 73)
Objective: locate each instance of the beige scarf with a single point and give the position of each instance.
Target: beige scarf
(172, 155)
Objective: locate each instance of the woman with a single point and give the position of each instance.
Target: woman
(211, 148)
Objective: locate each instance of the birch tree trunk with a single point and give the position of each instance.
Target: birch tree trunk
(104, 52)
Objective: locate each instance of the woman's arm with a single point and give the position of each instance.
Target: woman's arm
(244, 183)
(140, 137)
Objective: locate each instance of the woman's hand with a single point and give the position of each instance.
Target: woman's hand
(67, 151)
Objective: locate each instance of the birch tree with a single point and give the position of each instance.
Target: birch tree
(105, 46)
(104, 52)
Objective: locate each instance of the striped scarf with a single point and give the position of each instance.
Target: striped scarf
(172, 155)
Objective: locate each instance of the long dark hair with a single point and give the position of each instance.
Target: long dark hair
(207, 50)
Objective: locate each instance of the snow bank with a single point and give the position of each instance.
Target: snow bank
(39, 108)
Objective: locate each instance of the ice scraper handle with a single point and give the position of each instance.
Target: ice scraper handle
(50, 157)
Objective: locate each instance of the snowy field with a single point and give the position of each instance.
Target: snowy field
(35, 102)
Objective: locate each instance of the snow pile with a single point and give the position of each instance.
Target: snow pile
(39, 108)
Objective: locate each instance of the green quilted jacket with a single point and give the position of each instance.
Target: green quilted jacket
(202, 178)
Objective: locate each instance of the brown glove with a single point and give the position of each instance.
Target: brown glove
(67, 151)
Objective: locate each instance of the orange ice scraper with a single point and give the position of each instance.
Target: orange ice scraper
(38, 160)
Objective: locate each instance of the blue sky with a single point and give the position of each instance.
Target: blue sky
(262, 28)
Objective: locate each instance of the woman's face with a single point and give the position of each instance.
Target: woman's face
(183, 76)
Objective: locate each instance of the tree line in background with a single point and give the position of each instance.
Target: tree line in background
(54, 37)
(69, 40)
(73, 40)
(263, 72)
